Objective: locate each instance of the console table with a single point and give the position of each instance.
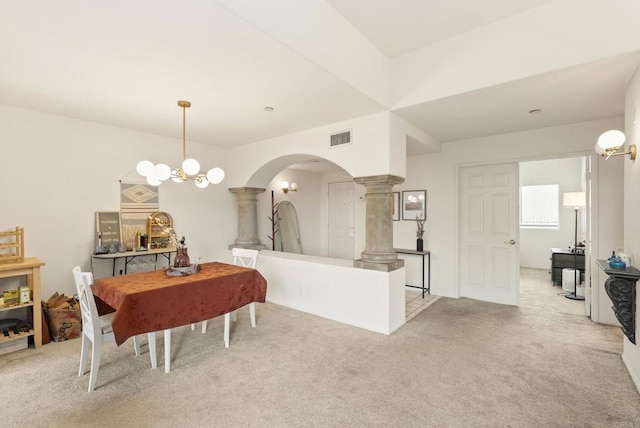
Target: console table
(621, 289)
(424, 287)
(131, 255)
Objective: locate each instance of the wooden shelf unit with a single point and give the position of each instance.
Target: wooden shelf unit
(159, 228)
(29, 267)
(12, 246)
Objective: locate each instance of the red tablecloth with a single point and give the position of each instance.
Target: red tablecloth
(153, 301)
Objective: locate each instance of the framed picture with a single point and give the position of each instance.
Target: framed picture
(396, 206)
(108, 227)
(414, 204)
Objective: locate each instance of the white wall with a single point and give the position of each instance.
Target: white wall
(437, 173)
(609, 233)
(631, 352)
(376, 142)
(536, 243)
(57, 172)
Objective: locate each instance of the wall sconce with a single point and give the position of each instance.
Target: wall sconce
(286, 188)
(610, 143)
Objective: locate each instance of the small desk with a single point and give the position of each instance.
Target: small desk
(564, 258)
(424, 288)
(152, 301)
(131, 255)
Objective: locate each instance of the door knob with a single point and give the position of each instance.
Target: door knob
(510, 242)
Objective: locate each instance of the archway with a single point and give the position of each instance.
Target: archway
(311, 199)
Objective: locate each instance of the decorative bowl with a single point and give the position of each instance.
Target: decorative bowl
(617, 264)
(182, 271)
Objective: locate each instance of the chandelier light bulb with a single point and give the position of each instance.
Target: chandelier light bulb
(215, 175)
(144, 167)
(191, 166)
(152, 180)
(162, 172)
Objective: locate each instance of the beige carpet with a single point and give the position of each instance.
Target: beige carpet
(460, 363)
(537, 291)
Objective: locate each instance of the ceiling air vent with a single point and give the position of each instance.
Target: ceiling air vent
(340, 138)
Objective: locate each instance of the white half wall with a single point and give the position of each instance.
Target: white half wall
(334, 289)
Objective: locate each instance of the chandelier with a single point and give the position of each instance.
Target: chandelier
(189, 170)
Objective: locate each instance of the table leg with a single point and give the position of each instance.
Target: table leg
(423, 276)
(167, 350)
(152, 350)
(429, 277)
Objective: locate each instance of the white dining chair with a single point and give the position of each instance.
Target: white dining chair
(247, 258)
(97, 329)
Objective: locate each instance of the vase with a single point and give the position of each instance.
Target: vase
(419, 244)
(182, 258)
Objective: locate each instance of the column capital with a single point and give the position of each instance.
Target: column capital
(250, 190)
(386, 179)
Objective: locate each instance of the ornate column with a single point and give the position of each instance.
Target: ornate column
(621, 289)
(378, 251)
(247, 218)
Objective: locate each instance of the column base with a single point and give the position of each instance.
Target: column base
(379, 266)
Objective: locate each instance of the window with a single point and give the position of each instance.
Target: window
(539, 206)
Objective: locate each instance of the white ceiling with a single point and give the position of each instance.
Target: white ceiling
(401, 26)
(127, 63)
(577, 94)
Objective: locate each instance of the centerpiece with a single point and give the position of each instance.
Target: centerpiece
(182, 263)
(182, 256)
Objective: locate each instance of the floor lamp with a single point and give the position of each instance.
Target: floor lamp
(575, 200)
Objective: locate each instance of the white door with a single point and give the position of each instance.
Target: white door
(488, 233)
(342, 220)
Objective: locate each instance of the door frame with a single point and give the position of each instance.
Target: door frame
(591, 215)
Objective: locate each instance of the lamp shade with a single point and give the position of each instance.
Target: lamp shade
(574, 199)
(612, 139)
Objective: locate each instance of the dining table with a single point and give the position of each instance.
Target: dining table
(152, 301)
